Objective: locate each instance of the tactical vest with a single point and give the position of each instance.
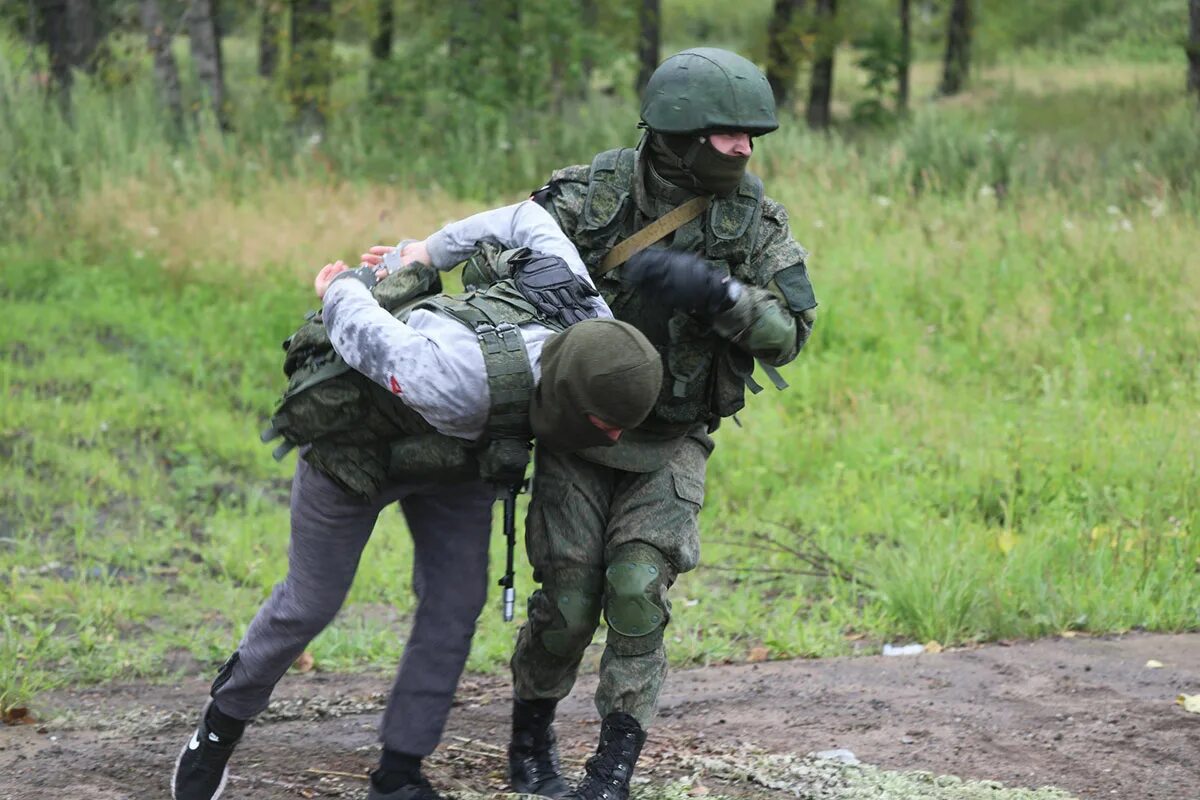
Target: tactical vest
(362, 436)
(705, 376)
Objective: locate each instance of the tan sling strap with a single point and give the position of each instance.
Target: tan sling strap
(668, 223)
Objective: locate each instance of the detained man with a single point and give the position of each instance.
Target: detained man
(430, 402)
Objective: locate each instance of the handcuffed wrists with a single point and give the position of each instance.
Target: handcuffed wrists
(364, 275)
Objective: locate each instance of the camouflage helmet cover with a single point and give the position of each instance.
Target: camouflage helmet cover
(706, 88)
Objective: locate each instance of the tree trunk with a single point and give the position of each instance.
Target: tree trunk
(820, 90)
(958, 48)
(310, 70)
(55, 32)
(649, 40)
(206, 55)
(166, 73)
(381, 42)
(785, 47)
(83, 34)
(589, 16)
(905, 65)
(511, 41)
(270, 14)
(385, 25)
(1194, 49)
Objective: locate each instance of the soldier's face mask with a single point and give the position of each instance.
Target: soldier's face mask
(692, 162)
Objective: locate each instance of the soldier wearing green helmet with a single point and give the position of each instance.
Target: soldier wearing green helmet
(683, 244)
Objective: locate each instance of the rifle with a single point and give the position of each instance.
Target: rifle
(510, 535)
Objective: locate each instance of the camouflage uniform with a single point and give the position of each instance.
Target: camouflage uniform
(610, 530)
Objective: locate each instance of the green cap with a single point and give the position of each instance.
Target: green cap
(601, 367)
(705, 89)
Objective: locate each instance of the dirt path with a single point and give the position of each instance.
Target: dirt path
(1082, 714)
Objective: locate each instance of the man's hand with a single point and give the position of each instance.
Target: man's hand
(410, 252)
(368, 274)
(681, 280)
(326, 276)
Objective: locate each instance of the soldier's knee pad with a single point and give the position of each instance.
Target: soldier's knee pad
(570, 611)
(635, 602)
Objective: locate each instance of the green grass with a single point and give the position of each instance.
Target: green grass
(992, 434)
(995, 436)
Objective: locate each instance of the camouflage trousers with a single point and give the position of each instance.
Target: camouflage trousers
(611, 540)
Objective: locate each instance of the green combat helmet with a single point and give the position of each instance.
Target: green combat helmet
(705, 89)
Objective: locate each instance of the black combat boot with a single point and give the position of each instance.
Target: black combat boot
(532, 754)
(607, 774)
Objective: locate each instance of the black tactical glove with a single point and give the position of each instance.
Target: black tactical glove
(681, 280)
(548, 283)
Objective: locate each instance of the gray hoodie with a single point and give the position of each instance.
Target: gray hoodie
(433, 363)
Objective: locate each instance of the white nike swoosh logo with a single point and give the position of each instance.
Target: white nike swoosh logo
(195, 742)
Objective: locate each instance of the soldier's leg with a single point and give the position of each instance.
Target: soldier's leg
(450, 526)
(564, 537)
(329, 529)
(653, 537)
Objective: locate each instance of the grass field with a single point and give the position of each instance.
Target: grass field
(993, 432)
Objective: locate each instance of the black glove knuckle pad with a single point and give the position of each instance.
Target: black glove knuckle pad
(550, 285)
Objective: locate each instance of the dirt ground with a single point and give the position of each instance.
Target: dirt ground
(1083, 714)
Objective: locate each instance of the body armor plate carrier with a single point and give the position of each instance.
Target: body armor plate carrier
(362, 436)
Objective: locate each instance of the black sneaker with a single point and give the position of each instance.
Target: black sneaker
(418, 789)
(200, 771)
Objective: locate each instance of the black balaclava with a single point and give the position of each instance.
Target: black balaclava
(601, 367)
(691, 162)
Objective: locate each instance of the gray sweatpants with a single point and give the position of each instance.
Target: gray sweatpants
(450, 525)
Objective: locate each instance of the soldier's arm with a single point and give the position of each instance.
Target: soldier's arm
(774, 315)
(563, 197)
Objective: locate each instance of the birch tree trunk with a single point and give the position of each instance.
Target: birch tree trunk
(820, 90)
(958, 48)
(649, 40)
(206, 55)
(785, 48)
(166, 72)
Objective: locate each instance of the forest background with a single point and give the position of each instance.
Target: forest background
(993, 433)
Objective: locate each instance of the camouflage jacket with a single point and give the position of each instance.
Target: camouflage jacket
(708, 364)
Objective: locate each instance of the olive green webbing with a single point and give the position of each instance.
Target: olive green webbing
(509, 376)
(668, 223)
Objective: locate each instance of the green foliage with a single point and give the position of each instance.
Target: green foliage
(990, 435)
(1151, 29)
(881, 60)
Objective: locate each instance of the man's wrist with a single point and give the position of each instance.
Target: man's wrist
(364, 274)
(437, 246)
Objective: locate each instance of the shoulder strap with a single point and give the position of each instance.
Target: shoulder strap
(668, 223)
(509, 375)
